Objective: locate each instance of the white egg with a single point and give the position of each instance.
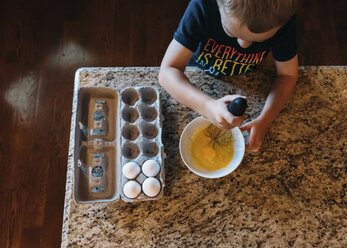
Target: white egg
(150, 168)
(131, 170)
(132, 189)
(151, 187)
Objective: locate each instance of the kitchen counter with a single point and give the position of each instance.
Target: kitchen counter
(291, 194)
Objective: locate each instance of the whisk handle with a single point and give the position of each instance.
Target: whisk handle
(238, 106)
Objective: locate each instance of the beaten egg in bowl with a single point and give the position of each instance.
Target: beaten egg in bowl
(227, 160)
(209, 155)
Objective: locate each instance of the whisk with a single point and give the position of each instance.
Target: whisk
(223, 137)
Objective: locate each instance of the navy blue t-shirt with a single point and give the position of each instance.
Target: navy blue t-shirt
(201, 31)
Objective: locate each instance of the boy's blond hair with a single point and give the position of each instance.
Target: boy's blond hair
(260, 15)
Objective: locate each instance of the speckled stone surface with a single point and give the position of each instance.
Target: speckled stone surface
(291, 194)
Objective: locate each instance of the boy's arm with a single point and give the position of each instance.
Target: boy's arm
(173, 80)
(285, 81)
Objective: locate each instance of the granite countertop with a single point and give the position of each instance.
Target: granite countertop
(291, 194)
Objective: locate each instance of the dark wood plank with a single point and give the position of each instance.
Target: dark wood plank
(42, 45)
(320, 29)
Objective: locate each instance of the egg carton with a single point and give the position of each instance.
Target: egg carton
(114, 127)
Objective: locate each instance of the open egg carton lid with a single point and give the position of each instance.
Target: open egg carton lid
(114, 128)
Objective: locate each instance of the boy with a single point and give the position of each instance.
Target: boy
(228, 37)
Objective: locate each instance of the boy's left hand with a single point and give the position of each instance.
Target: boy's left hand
(257, 130)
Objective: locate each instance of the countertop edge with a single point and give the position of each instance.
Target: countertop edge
(150, 68)
(69, 178)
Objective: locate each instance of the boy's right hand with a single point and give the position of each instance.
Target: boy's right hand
(216, 111)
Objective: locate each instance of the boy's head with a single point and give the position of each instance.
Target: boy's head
(255, 20)
(259, 15)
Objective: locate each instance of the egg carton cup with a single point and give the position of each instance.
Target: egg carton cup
(141, 132)
(114, 127)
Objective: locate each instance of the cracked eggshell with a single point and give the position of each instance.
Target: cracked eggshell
(151, 187)
(150, 168)
(131, 170)
(132, 189)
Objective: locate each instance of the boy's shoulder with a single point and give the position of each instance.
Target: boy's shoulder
(203, 9)
(288, 29)
(205, 4)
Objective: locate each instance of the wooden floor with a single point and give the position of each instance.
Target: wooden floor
(42, 45)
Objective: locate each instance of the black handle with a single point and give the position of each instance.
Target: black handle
(238, 106)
